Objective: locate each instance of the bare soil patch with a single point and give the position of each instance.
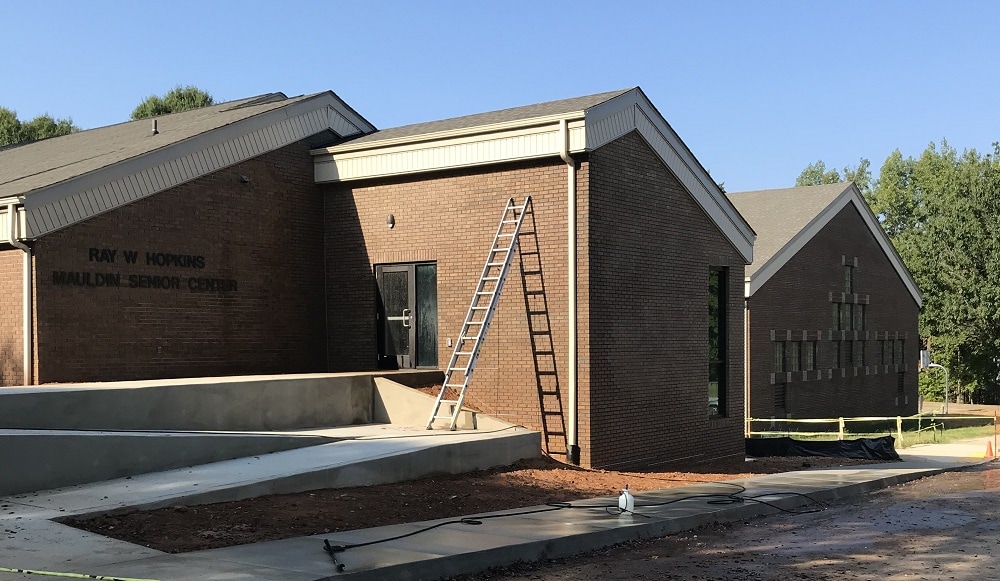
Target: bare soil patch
(181, 528)
(938, 528)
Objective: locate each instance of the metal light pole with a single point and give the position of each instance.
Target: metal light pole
(930, 365)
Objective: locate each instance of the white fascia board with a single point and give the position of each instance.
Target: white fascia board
(85, 196)
(633, 111)
(451, 133)
(482, 145)
(851, 195)
(5, 220)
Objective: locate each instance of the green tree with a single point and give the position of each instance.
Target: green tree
(14, 131)
(942, 212)
(816, 174)
(176, 100)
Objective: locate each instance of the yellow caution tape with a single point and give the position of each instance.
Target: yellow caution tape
(73, 575)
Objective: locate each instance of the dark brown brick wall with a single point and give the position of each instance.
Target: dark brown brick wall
(11, 313)
(450, 218)
(651, 247)
(266, 235)
(643, 392)
(797, 299)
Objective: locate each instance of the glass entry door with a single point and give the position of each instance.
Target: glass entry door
(407, 315)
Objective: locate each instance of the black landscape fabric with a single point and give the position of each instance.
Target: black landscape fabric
(865, 448)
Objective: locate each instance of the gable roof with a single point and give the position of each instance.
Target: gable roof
(542, 130)
(512, 115)
(64, 180)
(786, 219)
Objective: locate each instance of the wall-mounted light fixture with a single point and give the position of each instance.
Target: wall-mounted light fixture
(390, 221)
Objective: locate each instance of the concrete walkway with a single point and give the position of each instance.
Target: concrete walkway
(31, 541)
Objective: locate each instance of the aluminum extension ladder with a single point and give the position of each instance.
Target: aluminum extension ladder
(477, 321)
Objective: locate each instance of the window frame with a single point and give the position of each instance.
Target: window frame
(718, 365)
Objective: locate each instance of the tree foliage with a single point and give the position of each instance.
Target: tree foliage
(176, 100)
(816, 174)
(14, 131)
(942, 213)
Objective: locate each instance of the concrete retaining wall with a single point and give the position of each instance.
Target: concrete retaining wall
(252, 403)
(41, 460)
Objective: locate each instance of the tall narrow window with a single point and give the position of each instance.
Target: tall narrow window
(845, 317)
(859, 354)
(859, 317)
(836, 316)
(849, 279)
(795, 357)
(838, 358)
(780, 398)
(779, 356)
(717, 332)
(808, 355)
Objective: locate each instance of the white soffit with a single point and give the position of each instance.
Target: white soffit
(85, 196)
(481, 145)
(851, 195)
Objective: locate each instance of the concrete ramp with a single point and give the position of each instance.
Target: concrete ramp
(355, 456)
(58, 436)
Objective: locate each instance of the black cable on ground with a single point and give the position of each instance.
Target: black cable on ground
(716, 498)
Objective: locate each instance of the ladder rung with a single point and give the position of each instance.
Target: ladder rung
(510, 221)
(472, 338)
(454, 385)
(495, 264)
(531, 272)
(449, 401)
(505, 235)
(464, 352)
(492, 278)
(479, 309)
(441, 418)
(485, 292)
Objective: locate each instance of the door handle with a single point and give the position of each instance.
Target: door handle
(406, 318)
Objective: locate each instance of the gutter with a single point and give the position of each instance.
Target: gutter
(26, 327)
(572, 438)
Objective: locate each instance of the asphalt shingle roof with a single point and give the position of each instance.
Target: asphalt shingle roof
(777, 216)
(32, 166)
(492, 117)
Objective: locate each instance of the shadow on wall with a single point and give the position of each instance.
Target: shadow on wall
(11, 365)
(543, 352)
(350, 286)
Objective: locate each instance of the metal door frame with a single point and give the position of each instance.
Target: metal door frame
(408, 316)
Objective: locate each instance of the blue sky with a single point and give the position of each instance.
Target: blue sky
(757, 90)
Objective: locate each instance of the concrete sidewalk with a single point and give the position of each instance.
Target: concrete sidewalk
(32, 541)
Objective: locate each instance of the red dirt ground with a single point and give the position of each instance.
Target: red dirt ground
(181, 528)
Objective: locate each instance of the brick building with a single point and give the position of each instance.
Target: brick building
(831, 308)
(268, 235)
